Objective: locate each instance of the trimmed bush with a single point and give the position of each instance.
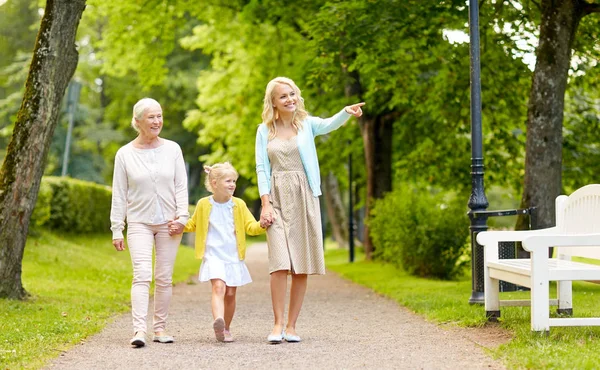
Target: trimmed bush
(421, 232)
(75, 205)
(41, 211)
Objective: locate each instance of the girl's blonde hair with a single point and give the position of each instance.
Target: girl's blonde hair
(217, 172)
(269, 114)
(138, 111)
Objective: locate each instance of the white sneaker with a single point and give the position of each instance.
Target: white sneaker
(138, 340)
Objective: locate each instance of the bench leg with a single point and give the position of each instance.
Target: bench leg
(564, 292)
(492, 316)
(491, 297)
(540, 295)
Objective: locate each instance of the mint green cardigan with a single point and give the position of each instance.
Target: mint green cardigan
(311, 127)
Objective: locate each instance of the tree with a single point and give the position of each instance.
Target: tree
(121, 35)
(54, 61)
(16, 38)
(543, 160)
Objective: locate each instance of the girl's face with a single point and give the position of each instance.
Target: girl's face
(284, 98)
(225, 186)
(152, 122)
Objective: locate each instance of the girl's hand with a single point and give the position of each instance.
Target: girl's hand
(175, 227)
(354, 109)
(119, 244)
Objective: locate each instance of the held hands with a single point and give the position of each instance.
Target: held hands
(354, 109)
(119, 244)
(175, 227)
(266, 216)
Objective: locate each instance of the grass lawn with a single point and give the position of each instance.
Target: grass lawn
(77, 285)
(447, 302)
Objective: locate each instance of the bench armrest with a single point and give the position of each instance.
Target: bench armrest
(536, 243)
(494, 237)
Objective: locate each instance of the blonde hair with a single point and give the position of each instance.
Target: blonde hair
(138, 111)
(269, 114)
(217, 172)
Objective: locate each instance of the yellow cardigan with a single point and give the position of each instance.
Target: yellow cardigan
(243, 221)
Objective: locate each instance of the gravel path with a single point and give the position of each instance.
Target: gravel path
(343, 326)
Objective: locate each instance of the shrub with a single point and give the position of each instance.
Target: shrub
(422, 232)
(41, 211)
(75, 205)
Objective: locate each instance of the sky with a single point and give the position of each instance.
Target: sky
(458, 36)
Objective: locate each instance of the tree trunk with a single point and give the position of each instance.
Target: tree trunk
(376, 132)
(377, 137)
(335, 210)
(53, 64)
(543, 158)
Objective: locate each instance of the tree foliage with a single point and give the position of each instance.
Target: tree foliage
(208, 64)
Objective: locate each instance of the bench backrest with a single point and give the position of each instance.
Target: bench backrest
(579, 213)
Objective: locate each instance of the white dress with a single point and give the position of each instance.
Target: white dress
(221, 259)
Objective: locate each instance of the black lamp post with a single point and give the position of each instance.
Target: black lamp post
(478, 200)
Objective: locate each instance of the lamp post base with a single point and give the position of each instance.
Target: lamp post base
(476, 298)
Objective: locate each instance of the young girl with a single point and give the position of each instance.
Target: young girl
(221, 222)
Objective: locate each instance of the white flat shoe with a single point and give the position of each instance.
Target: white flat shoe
(291, 338)
(275, 338)
(138, 340)
(163, 339)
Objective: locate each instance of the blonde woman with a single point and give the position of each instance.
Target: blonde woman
(289, 185)
(149, 189)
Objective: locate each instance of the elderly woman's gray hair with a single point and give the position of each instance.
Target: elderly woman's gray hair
(138, 110)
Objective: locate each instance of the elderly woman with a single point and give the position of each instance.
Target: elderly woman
(289, 185)
(149, 190)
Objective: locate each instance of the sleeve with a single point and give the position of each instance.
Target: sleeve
(322, 126)
(259, 153)
(251, 226)
(190, 226)
(181, 192)
(118, 209)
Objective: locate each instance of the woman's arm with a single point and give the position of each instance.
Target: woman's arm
(322, 126)
(266, 213)
(261, 163)
(181, 191)
(118, 209)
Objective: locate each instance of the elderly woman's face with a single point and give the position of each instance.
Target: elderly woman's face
(152, 122)
(284, 98)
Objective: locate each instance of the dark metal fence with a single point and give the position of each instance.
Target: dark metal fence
(508, 249)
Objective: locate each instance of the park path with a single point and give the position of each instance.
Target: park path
(343, 326)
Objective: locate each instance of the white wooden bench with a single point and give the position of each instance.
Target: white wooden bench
(577, 233)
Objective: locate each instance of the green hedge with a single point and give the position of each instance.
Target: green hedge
(71, 205)
(422, 232)
(41, 212)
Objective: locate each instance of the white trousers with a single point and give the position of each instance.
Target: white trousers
(141, 240)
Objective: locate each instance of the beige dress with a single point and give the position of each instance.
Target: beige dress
(295, 238)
